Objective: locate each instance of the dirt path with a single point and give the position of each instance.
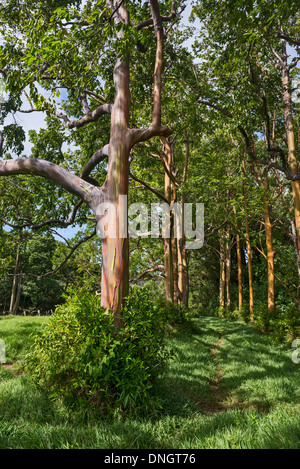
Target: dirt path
(217, 401)
(10, 367)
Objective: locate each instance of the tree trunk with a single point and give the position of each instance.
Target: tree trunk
(169, 281)
(222, 274)
(169, 248)
(249, 256)
(263, 183)
(115, 249)
(270, 255)
(227, 266)
(239, 261)
(15, 281)
(290, 136)
(175, 266)
(18, 297)
(183, 281)
(295, 241)
(240, 271)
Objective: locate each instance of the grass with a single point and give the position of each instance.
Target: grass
(226, 387)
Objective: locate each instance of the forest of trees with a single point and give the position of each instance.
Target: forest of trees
(138, 102)
(149, 224)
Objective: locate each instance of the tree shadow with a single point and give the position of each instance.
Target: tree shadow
(253, 373)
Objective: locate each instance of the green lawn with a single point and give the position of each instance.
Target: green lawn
(226, 387)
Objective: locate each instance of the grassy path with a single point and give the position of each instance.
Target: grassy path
(226, 387)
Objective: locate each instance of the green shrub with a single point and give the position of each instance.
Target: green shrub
(232, 314)
(81, 358)
(220, 312)
(261, 317)
(171, 313)
(283, 324)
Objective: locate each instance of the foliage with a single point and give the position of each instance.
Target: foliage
(81, 358)
(171, 313)
(283, 324)
(259, 379)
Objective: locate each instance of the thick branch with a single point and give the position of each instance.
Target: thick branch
(51, 171)
(146, 272)
(98, 156)
(155, 129)
(149, 21)
(294, 41)
(91, 116)
(142, 135)
(156, 116)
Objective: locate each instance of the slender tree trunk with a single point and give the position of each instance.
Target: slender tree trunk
(15, 281)
(222, 274)
(168, 245)
(295, 241)
(18, 297)
(270, 255)
(175, 266)
(169, 282)
(263, 182)
(228, 265)
(170, 250)
(239, 260)
(290, 136)
(249, 256)
(240, 271)
(183, 281)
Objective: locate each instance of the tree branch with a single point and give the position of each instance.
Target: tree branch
(146, 272)
(294, 41)
(51, 171)
(152, 189)
(98, 156)
(155, 129)
(91, 116)
(149, 22)
(73, 249)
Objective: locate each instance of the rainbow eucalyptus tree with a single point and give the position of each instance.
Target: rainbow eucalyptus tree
(63, 45)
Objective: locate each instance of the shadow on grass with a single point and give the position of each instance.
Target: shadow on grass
(253, 373)
(256, 376)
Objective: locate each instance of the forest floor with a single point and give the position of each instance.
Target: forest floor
(227, 386)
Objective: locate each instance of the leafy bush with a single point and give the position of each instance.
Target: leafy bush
(261, 317)
(171, 313)
(220, 312)
(81, 357)
(244, 313)
(283, 324)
